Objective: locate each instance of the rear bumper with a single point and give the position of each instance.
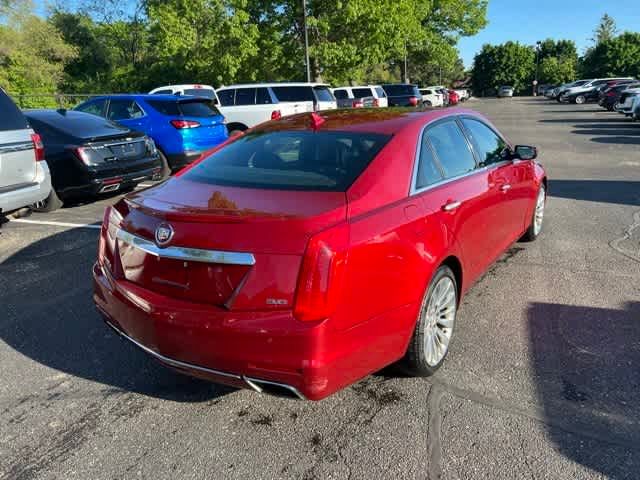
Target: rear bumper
(26, 195)
(99, 182)
(270, 350)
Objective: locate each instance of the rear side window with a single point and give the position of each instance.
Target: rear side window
(246, 96)
(200, 92)
(124, 110)
(489, 146)
(361, 92)
(194, 108)
(451, 148)
(11, 118)
(340, 94)
(293, 94)
(380, 92)
(263, 97)
(428, 169)
(226, 97)
(295, 160)
(323, 94)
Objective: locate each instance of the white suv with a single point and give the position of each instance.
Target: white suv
(24, 175)
(245, 106)
(431, 98)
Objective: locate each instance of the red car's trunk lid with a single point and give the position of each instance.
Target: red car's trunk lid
(269, 228)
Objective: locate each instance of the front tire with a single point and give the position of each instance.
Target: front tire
(580, 99)
(537, 218)
(49, 204)
(434, 329)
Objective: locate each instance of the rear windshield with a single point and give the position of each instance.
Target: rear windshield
(200, 92)
(398, 90)
(293, 160)
(361, 92)
(323, 94)
(11, 117)
(293, 94)
(193, 108)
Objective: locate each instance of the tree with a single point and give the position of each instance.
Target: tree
(605, 31)
(555, 70)
(619, 56)
(33, 55)
(508, 64)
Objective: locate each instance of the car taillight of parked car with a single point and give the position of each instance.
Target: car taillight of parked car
(182, 124)
(83, 155)
(322, 275)
(38, 146)
(276, 115)
(413, 101)
(376, 102)
(357, 103)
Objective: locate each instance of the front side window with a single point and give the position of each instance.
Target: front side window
(95, 107)
(290, 160)
(121, 109)
(380, 92)
(489, 146)
(451, 148)
(245, 96)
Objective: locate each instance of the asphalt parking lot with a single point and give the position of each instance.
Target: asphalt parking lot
(543, 379)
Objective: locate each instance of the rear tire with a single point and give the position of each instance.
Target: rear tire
(49, 204)
(435, 326)
(580, 99)
(165, 169)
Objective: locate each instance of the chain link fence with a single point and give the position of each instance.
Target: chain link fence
(51, 100)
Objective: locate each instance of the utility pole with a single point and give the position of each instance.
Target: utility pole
(535, 83)
(306, 40)
(406, 72)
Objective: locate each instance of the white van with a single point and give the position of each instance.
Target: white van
(247, 105)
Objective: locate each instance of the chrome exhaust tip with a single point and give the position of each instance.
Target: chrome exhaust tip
(273, 388)
(109, 188)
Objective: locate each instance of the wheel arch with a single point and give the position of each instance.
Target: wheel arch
(455, 265)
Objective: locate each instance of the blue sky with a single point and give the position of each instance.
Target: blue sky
(529, 21)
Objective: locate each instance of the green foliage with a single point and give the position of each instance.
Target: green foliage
(508, 64)
(32, 56)
(619, 56)
(555, 70)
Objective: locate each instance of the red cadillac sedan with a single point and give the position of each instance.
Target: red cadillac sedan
(313, 250)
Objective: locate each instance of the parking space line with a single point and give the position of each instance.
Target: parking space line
(56, 224)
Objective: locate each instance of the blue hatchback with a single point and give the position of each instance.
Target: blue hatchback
(181, 127)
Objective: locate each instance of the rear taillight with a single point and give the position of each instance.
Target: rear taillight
(376, 102)
(276, 115)
(38, 146)
(83, 155)
(610, 94)
(181, 124)
(357, 103)
(413, 101)
(321, 279)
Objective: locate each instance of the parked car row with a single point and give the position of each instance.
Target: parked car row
(613, 94)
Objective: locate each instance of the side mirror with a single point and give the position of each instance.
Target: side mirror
(525, 152)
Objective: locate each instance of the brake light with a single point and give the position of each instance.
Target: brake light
(413, 101)
(611, 94)
(82, 154)
(182, 124)
(276, 115)
(376, 102)
(357, 103)
(321, 279)
(38, 146)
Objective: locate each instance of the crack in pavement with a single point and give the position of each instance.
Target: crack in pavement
(434, 437)
(617, 244)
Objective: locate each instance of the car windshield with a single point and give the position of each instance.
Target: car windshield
(191, 108)
(291, 160)
(200, 92)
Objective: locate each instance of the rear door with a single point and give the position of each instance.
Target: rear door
(17, 154)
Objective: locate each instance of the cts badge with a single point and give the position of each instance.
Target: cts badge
(164, 234)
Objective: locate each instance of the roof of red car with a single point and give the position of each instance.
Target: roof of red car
(374, 120)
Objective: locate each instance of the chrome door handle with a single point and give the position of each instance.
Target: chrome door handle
(505, 188)
(451, 206)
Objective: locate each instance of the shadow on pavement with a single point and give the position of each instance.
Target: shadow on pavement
(623, 192)
(46, 292)
(615, 140)
(586, 362)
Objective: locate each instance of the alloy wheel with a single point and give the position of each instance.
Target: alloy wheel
(439, 316)
(539, 213)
